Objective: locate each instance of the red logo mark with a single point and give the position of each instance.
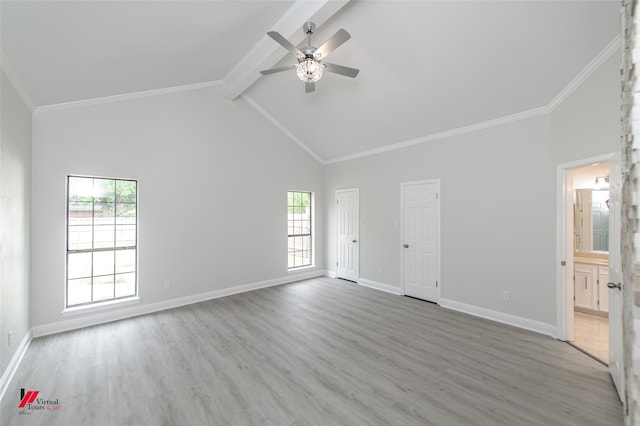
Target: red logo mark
(27, 398)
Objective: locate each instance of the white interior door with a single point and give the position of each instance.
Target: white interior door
(566, 249)
(348, 218)
(421, 239)
(616, 366)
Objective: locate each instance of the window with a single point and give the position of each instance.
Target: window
(300, 228)
(101, 240)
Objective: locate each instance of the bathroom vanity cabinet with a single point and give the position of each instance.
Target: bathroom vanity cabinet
(590, 287)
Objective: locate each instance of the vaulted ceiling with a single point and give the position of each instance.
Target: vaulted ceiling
(427, 68)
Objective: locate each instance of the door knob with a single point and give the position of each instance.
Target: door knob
(405, 245)
(354, 241)
(614, 285)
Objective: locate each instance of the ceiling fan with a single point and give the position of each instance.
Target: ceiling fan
(311, 65)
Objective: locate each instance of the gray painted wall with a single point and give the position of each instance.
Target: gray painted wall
(588, 122)
(15, 217)
(213, 177)
(498, 201)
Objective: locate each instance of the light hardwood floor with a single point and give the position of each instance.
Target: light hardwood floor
(316, 352)
(591, 333)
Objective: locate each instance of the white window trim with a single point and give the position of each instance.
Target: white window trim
(313, 233)
(100, 306)
(109, 303)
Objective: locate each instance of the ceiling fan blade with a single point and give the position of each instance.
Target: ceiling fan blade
(285, 43)
(277, 69)
(342, 70)
(333, 43)
(309, 87)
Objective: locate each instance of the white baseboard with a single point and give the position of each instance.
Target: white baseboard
(142, 309)
(331, 274)
(12, 368)
(380, 286)
(516, 321)
(513, 320)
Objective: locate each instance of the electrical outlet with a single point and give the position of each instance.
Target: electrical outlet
(506, 295)
(165, 284)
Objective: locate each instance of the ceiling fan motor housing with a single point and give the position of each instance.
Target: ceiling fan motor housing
(309, 27)
(309, 53)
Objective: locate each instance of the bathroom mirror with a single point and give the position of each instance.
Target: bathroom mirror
(591, 220)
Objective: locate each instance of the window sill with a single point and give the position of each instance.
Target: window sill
(100, 306)
(301, 268)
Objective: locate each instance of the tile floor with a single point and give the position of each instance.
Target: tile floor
(591, 333)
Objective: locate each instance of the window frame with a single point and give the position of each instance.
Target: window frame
(310, 234)
(115, 248)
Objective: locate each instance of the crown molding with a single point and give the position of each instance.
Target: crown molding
(12, 76)
(613, 47)
(444, 135)
(127, 96)
(280, 126)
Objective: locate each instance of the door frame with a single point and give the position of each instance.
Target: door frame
(357, 191)
(564, 240)
(403, 185)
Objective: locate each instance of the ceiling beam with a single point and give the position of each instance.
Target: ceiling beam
(267, 53)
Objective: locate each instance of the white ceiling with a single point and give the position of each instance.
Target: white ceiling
(584, 177)
(427, 67)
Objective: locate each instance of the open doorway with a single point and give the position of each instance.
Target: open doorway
(591, 260)
(585, 209)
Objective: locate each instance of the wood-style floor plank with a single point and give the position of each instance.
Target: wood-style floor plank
(316, 352)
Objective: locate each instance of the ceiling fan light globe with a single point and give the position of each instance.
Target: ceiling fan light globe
(309, 71)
